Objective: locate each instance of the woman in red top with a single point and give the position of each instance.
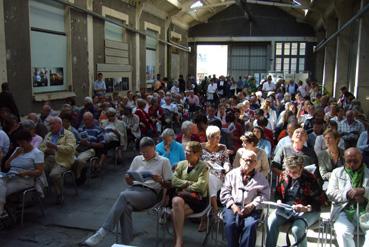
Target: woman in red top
(146, 125)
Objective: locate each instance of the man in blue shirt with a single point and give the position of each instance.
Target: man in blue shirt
(170, 149)
(99, 85)
(91, 144)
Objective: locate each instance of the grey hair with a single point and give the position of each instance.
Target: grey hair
(186, 125)
(56, 119)
(168, 132)
(293, 162)
(28, 124)
(147, 142)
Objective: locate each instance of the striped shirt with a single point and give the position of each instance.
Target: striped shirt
(94, 134)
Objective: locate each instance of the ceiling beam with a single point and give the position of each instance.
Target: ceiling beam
(277, 4)
(212, 5)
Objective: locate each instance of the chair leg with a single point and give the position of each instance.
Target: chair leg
(23, 202)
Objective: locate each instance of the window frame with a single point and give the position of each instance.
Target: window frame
(288, 55)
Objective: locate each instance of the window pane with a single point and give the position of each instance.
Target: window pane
(46, 15)
(286, 48)
(278, 49)
(302, 48)
(278, 64)
(151, 42)
(150, 65)
(286, 65)
(294, 49)
(113, 31)
(49, 62)
(293, 65)
(301, 64)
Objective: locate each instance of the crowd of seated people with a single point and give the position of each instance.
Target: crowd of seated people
(212, 139)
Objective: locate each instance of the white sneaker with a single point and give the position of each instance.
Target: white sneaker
(94, 239)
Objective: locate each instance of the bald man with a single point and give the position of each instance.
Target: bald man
(348, 187)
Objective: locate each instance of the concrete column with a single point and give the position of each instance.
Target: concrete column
(168, 21)
(329, 55)
(90, 46)
(319, 59)
(361, 89)
(138, 13)
(3, 73)
(343, 11)
(271, 55)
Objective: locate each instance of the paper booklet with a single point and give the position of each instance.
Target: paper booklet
(311, 168)
(215, 166)
(140, 176)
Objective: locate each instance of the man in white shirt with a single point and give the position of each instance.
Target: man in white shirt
(268, 85)
(139, 195)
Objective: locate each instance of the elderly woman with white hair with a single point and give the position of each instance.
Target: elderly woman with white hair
(216, 156)
(188, 133)
(170, 148)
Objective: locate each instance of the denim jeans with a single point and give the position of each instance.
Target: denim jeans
(243, 234)
(298, 227)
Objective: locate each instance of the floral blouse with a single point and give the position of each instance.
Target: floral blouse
(220, 158)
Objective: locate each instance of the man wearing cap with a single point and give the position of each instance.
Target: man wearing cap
(242, 193)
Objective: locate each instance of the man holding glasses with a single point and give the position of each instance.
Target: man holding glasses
(242, 193)
(139, 195)
(348, 189)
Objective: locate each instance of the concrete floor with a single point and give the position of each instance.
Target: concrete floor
(81, 215)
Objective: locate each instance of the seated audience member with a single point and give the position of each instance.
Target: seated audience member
(188, 133)
(201, 122)
(363, 144)
(41, 129)
(30, 126)
(24, 165)
(139, 195)
(91, 144)
(332, 157)
(350, 129)
(319, 145)
(11, 128)
(285, 141)
(4, 144)
(66, 117)
(132, 122)
(216, 156)
(297, 148)
(318, 128)
(348, 187)
(268, 133)
(300, 189)
(146, 126)
(59, 148)
(243, 190)
(190, 181)
(234, 130)
(169, 148)
(262, 142)
(249, 142)
(115, 133)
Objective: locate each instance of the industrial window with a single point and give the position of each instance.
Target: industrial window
(290, 57)
(151, 55)
(48, 46)
(113, 31)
